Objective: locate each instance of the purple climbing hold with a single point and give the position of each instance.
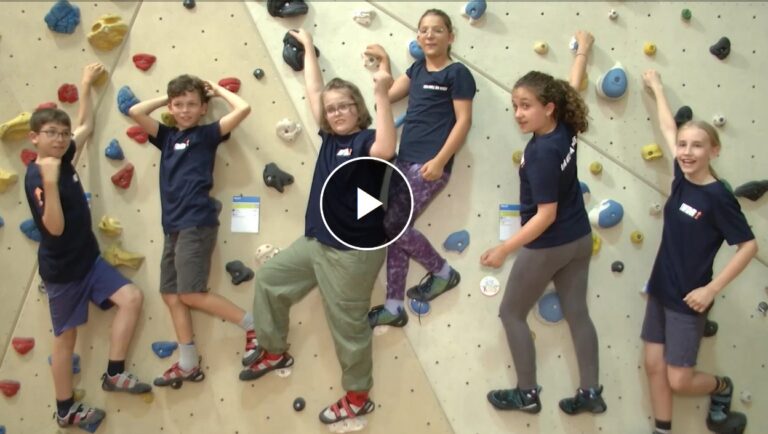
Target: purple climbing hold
(63, 17)
(126, 99)
(164, 349)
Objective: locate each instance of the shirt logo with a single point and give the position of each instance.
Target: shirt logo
(344, 152)
(181, 146)
(568, 157)
(435, 87)
(690, 211)
(75, 178)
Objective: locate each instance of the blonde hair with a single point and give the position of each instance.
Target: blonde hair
(711, 132)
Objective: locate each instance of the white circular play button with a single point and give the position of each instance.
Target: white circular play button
(353, 203)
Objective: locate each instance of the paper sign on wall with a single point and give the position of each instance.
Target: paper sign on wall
(245, 214)
(509, 220)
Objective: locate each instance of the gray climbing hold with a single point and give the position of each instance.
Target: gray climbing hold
(239, 272)
(752, 190)
(189, 4)
(276, 178)
(763, 308)
(722, 48)
(710, 329)
(683, 115)
(258, 73)
(617, 266)
(299, 404)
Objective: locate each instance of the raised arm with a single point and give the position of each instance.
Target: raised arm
(238, 108)
(399, 89)
(585, 41)
(85, 122)
(313, 78)
(140, 114)
(667, 123)
(386, 135)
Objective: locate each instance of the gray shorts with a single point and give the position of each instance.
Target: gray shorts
(679, 332)
(186, 260)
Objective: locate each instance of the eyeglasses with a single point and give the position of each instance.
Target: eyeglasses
(437, 31)
(52, 134)
(342, 108)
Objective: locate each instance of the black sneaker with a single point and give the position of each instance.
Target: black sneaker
(516, 399)
(379, 315)
(720, 403)
(431, 286)
(585, 400)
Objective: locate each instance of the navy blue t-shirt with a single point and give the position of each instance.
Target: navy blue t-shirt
(69, 256)
(548, 174)
(341, 195)
(430, 116)
(697, 218)
(186, 175)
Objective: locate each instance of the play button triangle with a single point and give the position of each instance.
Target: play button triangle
(365, 203)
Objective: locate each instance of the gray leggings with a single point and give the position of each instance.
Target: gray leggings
(568, 267)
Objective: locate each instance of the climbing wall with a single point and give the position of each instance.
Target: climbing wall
(232, 47)
(432, 377)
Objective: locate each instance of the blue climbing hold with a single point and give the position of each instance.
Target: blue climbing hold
(475, 9)
(549, 308)
(420, 308)
(2, 222)
(2, 429)
(613, 84)
(63, 17)
(400, 120)
(415, 50)
(606, 214)
(114, 151)
(164, 349)
(29, 228)
(126, 99)
(584, 187)
(457, 241)
(75, 363)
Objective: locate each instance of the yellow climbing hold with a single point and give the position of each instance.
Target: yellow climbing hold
(540, 47)
(636, 237)
(596, 243)
(7, 179)
(517, 157)
(596, 168)
(168, 119)
(108, 32)
(116, 256)
(110, 226)
(649, 48)
(101, 79)
(652, 151)
(17, 128)
(584, 82)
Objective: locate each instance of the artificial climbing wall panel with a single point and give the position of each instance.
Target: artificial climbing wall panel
(34, 62)
(461, 344)
(214, 40)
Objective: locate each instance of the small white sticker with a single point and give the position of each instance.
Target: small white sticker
(490, 286)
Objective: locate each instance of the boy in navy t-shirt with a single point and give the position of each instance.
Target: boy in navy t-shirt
(70, 264)
(189, 214)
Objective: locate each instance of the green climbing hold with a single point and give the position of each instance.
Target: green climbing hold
(686, 14)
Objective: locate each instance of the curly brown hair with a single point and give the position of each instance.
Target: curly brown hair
(364, 119)
(569, 106)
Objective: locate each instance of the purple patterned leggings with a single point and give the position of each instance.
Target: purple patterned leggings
(412, 244)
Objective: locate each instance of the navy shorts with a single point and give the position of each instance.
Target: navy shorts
(680, 333)
(69, 301)
(186, 260)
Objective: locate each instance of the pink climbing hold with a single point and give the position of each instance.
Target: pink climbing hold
(46, 105)
(28, 156)
(123, 176)
(23, 345)
(137, 133)
(232, 84)
(9, 387)
(68, 93)
(144, 61)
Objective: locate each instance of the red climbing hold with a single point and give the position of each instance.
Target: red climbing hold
(137, 133)
(28, 156)
(232, 84)
(46, 105)
(23, 345)
(68, 93)
(144, 61)
(123, 176)
(9, 387)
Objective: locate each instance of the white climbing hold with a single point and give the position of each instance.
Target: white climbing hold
(613, 15)
(718, 120)
(265, 252)
(370, 62)
(287, 129)
(364, 17)
(655, 208)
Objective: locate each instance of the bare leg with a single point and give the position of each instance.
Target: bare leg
(181, 317)
(658, 382)
(128, 300)
(687, 381)
(61, 363)
(213, 304)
